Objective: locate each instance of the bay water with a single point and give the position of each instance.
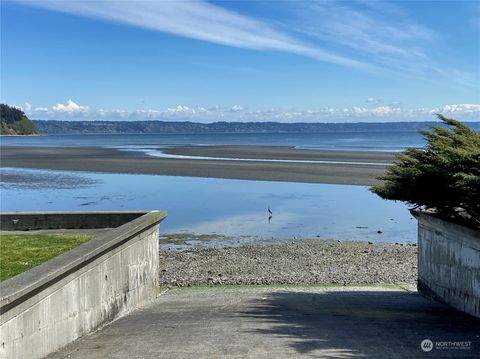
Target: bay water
(235, 210)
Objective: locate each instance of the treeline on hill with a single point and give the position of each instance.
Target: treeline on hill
(93, 127)
(15, 122)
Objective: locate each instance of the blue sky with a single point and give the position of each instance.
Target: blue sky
(326, 61)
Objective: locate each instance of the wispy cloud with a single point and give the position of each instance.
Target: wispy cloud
(377, 36)
(373, 101)
(366, 30)
(380, 33)
(198, 20)
(393, 112)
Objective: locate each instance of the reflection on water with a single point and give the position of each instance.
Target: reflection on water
(25, 179)
(235, 208)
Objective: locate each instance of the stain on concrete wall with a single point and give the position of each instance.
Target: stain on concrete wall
(449, 263)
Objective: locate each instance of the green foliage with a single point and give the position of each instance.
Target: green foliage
(154, 126)
(445, 176)
(19, 253)
(11, 114)
(24, 127)
(15, 122)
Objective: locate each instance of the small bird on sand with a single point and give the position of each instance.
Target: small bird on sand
(270, 211)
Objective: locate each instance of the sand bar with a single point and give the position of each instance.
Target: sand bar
(284, 153)
(97, 159)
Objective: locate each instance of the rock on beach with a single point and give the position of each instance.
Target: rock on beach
(298, 262)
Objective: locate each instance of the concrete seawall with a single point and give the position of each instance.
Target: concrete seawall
(73, 294)
(449, 263)
(24, 221)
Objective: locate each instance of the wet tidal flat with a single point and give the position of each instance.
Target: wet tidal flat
(229, 212)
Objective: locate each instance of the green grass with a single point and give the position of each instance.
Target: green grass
(19, 253)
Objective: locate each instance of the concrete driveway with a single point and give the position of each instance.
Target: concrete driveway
(284, 322)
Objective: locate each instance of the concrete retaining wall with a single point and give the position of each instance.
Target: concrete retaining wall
(449, 263)
(53, 304)
(24, 221)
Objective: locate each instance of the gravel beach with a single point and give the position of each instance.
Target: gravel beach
(299, 262)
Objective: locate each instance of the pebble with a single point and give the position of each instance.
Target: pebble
(299, 262)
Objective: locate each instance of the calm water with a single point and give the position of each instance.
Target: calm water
(367, 141)
(230, 207)
(234, 208)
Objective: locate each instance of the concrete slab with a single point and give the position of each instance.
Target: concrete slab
(288, 322)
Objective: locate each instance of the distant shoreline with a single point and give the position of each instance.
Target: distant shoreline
(234, 127)
(97, 159)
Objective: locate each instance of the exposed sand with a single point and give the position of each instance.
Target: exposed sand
(286, 153)
(97, 159)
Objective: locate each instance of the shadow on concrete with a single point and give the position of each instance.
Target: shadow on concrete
(383, 324)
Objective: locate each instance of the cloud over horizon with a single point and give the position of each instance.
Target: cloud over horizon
(69, 107)
(380, 113)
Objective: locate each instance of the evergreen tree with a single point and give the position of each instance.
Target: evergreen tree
(445, 176)
(13, 121)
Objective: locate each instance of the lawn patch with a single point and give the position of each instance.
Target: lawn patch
(19, 253)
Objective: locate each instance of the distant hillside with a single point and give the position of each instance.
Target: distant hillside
(15, 122)
(94, 127)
